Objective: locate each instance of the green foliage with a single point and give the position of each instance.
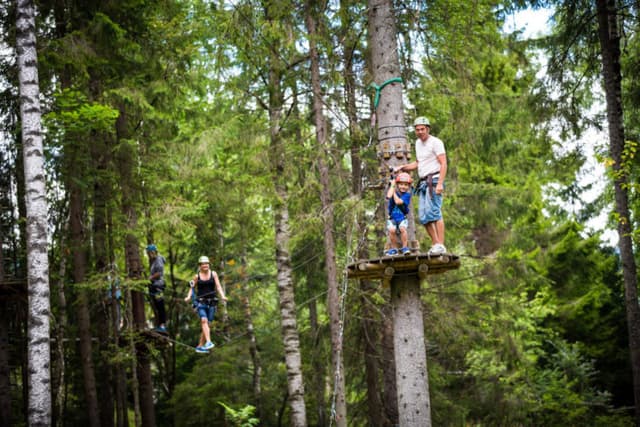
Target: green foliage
(529, 331)
(242, 417)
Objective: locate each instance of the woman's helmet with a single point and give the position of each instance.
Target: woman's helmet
(203, 260)
(404, 177)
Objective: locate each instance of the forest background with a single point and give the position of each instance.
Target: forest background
(190, 124)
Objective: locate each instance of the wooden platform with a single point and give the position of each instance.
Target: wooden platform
(416, 263)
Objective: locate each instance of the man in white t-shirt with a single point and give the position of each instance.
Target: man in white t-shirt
(431, 162)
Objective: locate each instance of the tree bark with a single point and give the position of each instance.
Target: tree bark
(253, 343)
(5, 384)
(371, 338)
(39, 354)
(291, 339)
(62, 323)
(609, 35)
(126, 157)
(390, 395)
(84, 321)
(5, 371)
(107, 335)
(411, 376)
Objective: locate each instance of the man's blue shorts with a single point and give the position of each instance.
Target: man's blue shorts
(430, 207)
(206, 311)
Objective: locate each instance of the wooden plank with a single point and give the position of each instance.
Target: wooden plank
(418, 264)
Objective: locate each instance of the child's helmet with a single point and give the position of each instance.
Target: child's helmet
(152, 248)
(404, 177)
(203, 260)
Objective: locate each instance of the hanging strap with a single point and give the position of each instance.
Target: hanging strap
(376, 99)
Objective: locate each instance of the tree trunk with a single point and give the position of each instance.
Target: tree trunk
(39, 355)
(60, 393)
(349, 44)
(609, 35)
(291, 339)
(5, 371)
(390, 395)
(130, 193)
(411, 376)
(409, 349)
(371, 338)
(376, 414)
(135, 387)
(106, 334)
(318, 364)
(333, 298)
(253, 343)
(84, 322)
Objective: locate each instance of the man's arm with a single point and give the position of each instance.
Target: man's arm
(407, 167)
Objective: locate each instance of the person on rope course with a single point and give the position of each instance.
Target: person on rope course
(399, 200)
(207, 289)
(156, 287)
(431, 162)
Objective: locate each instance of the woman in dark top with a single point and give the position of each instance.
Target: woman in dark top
(208, 290)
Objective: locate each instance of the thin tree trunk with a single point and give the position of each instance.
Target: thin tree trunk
(36, 203)
(107, 335)
(5, 371)
(253, 343)
(609, 35)
(349, 43)
(84, 321)
(135, 387)
(390, 395)
(318, 363)
(378, 407)
(291, 339)
(333, 299)
(130, 193)
(61, 394)
(371, 338)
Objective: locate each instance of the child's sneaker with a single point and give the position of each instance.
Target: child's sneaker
(405, 251)
(208, 345)
(201, 350)
(391, 252)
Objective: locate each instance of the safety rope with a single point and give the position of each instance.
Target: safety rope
(167, 338)
(343, 299)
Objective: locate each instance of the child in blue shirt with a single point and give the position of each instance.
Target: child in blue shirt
(399, 201)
